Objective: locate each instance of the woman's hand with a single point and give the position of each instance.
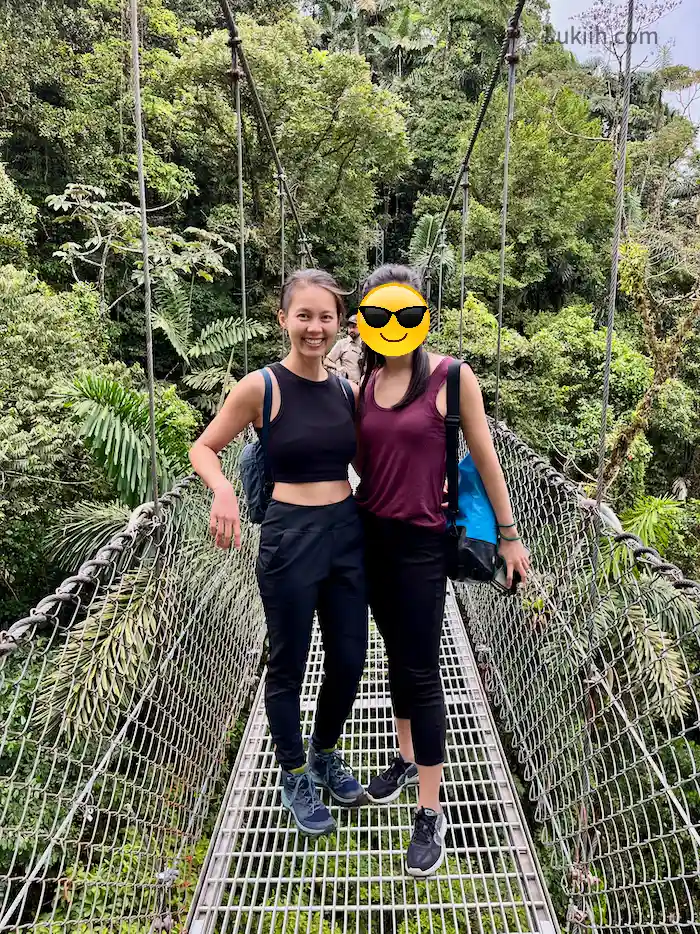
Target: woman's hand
(225, 519)
(516, 557)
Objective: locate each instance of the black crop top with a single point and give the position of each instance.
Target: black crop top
(312, 437)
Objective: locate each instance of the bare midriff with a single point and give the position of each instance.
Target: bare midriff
(322, 493)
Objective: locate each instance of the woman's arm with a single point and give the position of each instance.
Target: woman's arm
(242, 407)
(478, 438)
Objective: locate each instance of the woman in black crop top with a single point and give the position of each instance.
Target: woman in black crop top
(311, 555)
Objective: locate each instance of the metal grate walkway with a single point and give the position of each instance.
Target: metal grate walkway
(263, 876)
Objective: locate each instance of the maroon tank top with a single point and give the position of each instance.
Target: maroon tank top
(401, 456)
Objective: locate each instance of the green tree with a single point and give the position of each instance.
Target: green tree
(43, 462)
(17, 221)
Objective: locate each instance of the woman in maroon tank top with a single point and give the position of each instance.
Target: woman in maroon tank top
(401, 463)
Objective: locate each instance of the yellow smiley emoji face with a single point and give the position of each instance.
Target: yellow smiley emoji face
(393, 319)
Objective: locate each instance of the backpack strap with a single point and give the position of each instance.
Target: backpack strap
(452, 438)
(267, 409)
(349, 394)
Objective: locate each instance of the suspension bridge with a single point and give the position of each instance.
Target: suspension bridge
(126, 689)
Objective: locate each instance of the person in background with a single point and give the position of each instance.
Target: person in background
(344, 358)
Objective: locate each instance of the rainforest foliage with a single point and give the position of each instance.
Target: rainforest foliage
(371, 105)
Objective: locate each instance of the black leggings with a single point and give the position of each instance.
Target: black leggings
(406, 582)
(312, 558)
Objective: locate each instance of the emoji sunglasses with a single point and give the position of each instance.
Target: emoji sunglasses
(409, 317)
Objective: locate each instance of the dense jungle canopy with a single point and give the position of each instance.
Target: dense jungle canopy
(371, 103)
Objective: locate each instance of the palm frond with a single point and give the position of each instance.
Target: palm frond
(421, 244)
(173, 314)
(207, 404)
(638, 626)
(207, 379)
(83, 529)
(224, 334)
(107, 659)
(115, 428)
(684, 187)
(653, 519)
(659, 665)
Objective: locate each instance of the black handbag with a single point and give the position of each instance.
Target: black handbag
(472, 530)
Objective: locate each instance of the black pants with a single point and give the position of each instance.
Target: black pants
(406, 583)
(312, 558)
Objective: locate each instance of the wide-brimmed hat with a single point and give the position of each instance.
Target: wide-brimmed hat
(352, 319)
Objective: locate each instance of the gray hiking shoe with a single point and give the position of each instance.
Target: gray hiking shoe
(330, 770)
(300, 797)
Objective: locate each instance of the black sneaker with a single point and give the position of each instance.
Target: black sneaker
(427, 848)
(390, 784)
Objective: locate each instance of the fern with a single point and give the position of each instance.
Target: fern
(635, 215)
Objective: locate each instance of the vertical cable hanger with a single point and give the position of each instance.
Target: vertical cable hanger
(281, 196)
(581, 916)
(138, 120)
(304, 243)
(512, 59)
(440, 277)
(236, 74)
(465, 221)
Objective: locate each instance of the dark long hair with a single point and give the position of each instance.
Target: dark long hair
(371, 360)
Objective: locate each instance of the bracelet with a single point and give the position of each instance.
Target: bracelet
(511, 526)
(506, 539)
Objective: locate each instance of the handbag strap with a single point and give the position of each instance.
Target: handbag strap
(452, 439)
(349, 394)
(267, 409)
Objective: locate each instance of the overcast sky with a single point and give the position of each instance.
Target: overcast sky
(678, 32)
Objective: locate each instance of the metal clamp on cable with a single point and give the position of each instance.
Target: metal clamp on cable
(576, 915)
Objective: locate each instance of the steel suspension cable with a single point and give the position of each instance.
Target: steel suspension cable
(241, 203)
(513, 33)
(513, 22)
(138, 121)
(439, 301)
(280, 193)
(236, 75)
(465, 221)
(235, 37)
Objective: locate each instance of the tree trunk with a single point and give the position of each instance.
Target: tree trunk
(667, 358)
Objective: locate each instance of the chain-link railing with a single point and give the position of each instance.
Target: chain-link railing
(118, 698)
(120, 692)
(594, 671)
